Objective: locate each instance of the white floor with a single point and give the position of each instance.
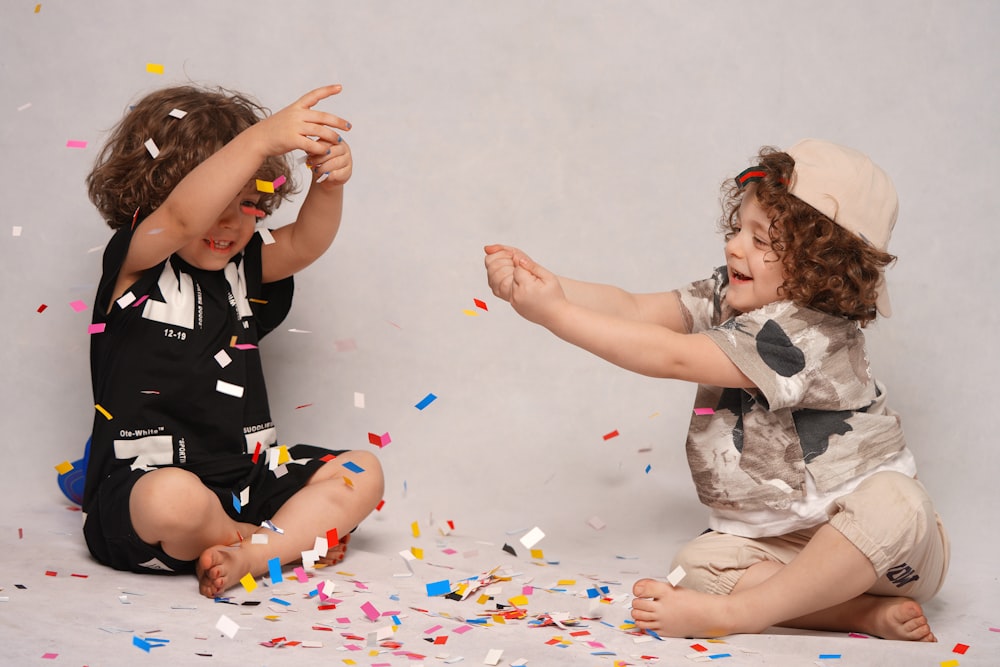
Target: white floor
(61, 608)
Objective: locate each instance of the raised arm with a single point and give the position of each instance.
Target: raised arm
(198, 200)
(642, 346)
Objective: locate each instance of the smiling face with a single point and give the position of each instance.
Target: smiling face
(228, 237)
(755, 269)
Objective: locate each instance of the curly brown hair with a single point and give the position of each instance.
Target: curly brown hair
(825, 266)
(126, 178)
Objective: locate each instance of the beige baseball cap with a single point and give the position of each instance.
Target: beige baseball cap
(850, 189)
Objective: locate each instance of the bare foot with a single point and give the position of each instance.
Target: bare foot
(893, 618)
(219, 568)
(681, 612)
(337, 552)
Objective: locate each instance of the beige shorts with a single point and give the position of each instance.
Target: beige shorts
(889, 518)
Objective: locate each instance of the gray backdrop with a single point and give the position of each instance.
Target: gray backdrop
(593, 134)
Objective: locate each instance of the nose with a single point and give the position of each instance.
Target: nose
(733, 246)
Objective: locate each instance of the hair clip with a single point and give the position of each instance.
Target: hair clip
(750, 175)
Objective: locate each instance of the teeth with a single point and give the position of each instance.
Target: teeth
(221, 245)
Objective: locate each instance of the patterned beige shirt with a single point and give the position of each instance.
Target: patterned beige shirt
(815, 405)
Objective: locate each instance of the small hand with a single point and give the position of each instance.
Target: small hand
(300, 127)
(500, 269)
(334, 167)
(535, 291)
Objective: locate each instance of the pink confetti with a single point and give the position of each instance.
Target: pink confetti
(279, 181)
(462, 629)
(78, 306)
(140, 300)
(72, 143)
(96, 328)
(370, 611)
(49, 656)
(300, 574)
(704, 411)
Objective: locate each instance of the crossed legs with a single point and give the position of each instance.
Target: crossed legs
(172, 508)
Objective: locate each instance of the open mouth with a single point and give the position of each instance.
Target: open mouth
(218, 246)
(739, 276)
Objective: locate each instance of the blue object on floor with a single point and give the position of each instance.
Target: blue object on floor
(71, 483)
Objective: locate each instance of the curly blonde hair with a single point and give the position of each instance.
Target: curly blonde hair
(127, 182)
(825, 267)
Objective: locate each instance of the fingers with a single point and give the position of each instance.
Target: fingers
(333, 163)
(313, 97)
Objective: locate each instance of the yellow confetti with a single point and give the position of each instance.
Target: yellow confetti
(38, 8)
(417, 552)
(483, 599)
(64, 467)
(348, 482)
(470, 313)
(537, 553)
(154, 68)
(949, 663)
(348, 661)
(566, 582)
(265, 186)
(249, 583)
(415, 527)
(272, 617)
(107, 415)
(498, 618)
(252, 300)
(519, 600)
(232, 342)
(283, 456)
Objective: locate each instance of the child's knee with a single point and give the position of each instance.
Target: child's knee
(713, 563)
(891, 520)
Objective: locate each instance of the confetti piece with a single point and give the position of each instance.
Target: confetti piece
(532, 537)
(425, 401)
(16, 230)
(648, 468)
(278, 182)
(950, 663)
(612, 434)
(470, 313)
(480, 304)
(415, 529)
(704, 411)
(676, 576)
(78, 306)
(107, 415)
(353, 467)
(74, 143)
(227, 626)
(177, 113)
(96, 328)
(829, 656)
(960, 648)
(359, 400)
(152, 148)
(264, 186)
(154, 68)
(48, 656)
(379, 440)
(141, 643)
(224, 360)
(371, 612)
(249, 583)
(42, 308)
(437, 588)
(224, 387)
(125, 300)
(64, 467)
(26, 105)
(323, 177)
(519, 601)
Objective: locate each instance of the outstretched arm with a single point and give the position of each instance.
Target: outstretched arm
(662, 308)
(641, 346)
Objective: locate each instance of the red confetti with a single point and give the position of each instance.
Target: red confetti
(256, 453)
(42, 307)
(480, 304)
(960, 648)
(50, 573)
(613, 434)
(381, 504)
